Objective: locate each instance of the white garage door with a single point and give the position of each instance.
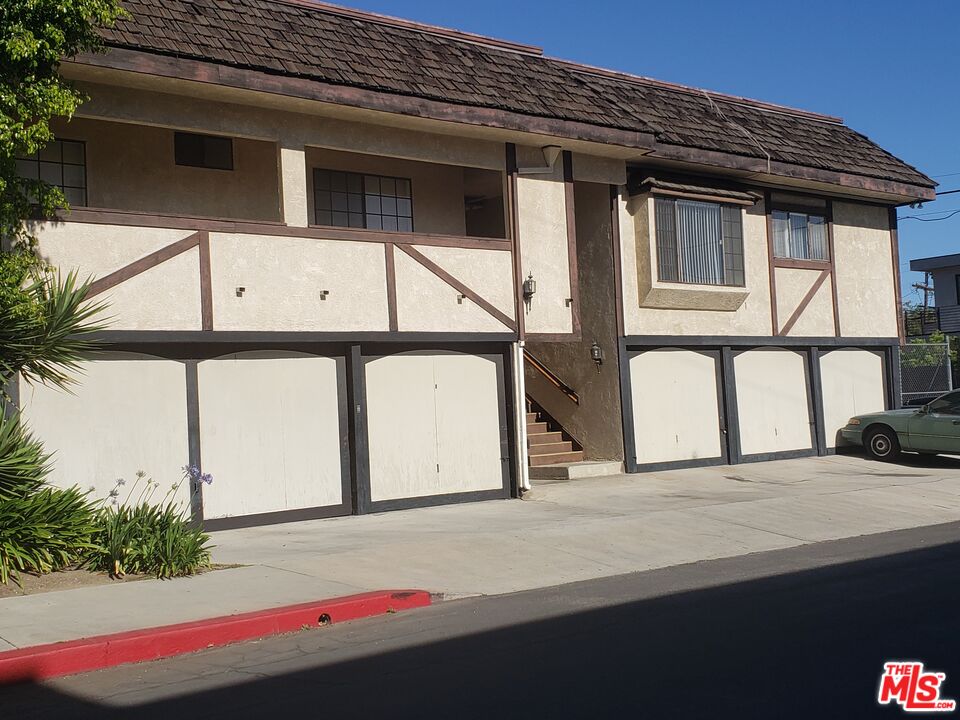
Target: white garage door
(434, 422)
(676, 412)
(772, 401)
(852, 383)
(127, 412)
(271, 432)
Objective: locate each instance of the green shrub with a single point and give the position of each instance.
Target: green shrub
(45, 530)
(23, 463)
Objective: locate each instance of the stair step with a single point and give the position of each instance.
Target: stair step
(554, 458)
(544, 438)
(532, 417)
(536, 427)
(550, 448)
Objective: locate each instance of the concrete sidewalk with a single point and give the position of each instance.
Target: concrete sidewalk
(563, 533)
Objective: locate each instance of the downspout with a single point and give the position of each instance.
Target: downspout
(520, 392)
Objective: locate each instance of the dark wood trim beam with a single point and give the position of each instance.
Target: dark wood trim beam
(206, 283)
(805, 301)
(258, 81)
(571, 220)
(511, 168)
(771, 269)
(458, 286)
(750, 341)
(143, 264)
(97, 216)
(617, 260)
(833, 270)
(798, 264)
(895, 256)
(391, 266)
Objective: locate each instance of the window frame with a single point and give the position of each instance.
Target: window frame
(800, 208)
(724, 237)
(35, 158)
(177, 161)
(363, 200)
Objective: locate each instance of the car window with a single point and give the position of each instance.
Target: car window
(948, 404)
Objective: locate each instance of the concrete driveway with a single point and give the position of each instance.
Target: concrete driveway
(598, 527)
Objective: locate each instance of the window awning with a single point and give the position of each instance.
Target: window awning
(657, 186)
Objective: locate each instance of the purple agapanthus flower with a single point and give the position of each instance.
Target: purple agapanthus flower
(197, 475)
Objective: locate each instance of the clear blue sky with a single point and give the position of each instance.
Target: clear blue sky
(888, 68)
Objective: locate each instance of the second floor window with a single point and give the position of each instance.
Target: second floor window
(698, 242)
(62, 163)
(800, 236)
(346, 199)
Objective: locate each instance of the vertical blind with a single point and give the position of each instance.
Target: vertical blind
(800, 236)
(698, 242)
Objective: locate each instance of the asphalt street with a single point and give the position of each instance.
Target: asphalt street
(795, 633)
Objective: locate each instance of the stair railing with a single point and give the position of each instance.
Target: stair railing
(551, 377)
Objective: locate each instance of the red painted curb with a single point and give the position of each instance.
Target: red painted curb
(65, 658)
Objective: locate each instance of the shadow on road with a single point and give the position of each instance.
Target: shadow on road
(807, 644)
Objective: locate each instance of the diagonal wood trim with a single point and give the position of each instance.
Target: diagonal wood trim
(391, 265)
(817, 284)
(143, 264)
(206, 283)
(457, 285)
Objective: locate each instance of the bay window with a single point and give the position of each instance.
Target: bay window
(698, 242)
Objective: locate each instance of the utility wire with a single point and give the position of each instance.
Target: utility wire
(917, 217)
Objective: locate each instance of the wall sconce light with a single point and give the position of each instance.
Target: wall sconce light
(323, 294)
(529, 287)
(596, 354)
(460, 298)
(240, 291)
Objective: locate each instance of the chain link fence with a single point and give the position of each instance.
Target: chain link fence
(925, 372)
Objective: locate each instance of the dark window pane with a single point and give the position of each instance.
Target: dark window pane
(73, 176)
(373, 222)
(354, 183)
(373, 204)
(665, 224)
(72, 152)
(403, 188)
(356, 220)
(389, 223)
(388, 186)
(404, 208)
(29, 169)
(51, 173)
(388, 206)
(52, 152)
(324, 217)
(732, 245)
(76, 197)
(340, 219)
(323, 201)
(371, 184)
(204, 151)
(321, 180)
(338, 181)
(218, 153)
(355, 203)
(339, 201)
(405, 224)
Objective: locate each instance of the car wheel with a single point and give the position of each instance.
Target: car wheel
(882, 444)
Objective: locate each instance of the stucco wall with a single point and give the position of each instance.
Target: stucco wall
(541, 212)
(126, 413)
(865, 285)
(816, 319)
(596, 421)
(437, 189)
(655, 308)
(131, 167)
(165, 297)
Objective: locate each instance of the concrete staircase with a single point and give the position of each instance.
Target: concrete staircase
(547, 443)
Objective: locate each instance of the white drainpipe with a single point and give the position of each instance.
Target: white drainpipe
(520, 393)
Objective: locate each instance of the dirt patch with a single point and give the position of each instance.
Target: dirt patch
(72, 579)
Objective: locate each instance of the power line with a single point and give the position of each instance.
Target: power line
(917, 217)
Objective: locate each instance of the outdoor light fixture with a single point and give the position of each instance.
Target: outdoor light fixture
(529, 287)
(596, 354)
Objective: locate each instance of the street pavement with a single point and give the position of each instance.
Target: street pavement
(801, 632)
(564, 532)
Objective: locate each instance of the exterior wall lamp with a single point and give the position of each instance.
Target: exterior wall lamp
(529, 287)
(596, 354)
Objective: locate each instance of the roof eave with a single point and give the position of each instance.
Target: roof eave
(169, 66)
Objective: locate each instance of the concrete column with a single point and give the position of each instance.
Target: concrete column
(293, 186)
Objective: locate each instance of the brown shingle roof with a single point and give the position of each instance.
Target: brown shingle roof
(331, 46)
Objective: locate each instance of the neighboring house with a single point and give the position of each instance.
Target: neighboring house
(316, 229)
(945, 316)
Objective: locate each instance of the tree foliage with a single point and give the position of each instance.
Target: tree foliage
(34, 36)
